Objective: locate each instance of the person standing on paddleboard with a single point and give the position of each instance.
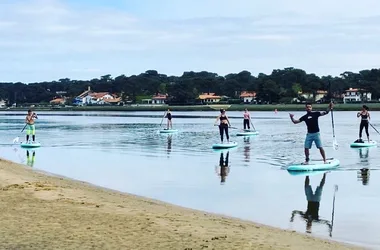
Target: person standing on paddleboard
(30, 128)
(247, 119)
(224, 124)
(313, 135)
(169, 117)
(364, 114)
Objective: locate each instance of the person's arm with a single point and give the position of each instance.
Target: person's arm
(26, 119)
(369, 117)
(358, 114)
(228, 120)
(217, 119)
(322, 113)
(294, 120)
(294, 213)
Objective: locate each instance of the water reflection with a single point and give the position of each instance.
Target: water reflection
(30, 159)
(169, 149)
(364, 173)
(247, 149)
(313, 201)
(223, 169)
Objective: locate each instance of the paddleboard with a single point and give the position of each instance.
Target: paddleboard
(364, 144)
(306, 173)
(168, 130)
(314, 165)
(30, 145)
(247, 133)
(224, 145)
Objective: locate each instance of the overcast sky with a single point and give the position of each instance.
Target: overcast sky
(83, 39)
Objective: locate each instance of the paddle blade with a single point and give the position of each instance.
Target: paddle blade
(15, 140)
(335, 144)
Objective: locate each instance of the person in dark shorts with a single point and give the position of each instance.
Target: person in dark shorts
(313, 201)
(224, 124)
(169, 117)
(365, 117)
(313, 135)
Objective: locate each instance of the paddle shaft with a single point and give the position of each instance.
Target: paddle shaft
(228, 126)
(162, 119)
(24, 127)
(333, 210)
(374, 128)
(252, 124)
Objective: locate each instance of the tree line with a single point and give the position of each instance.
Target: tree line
(281, 86)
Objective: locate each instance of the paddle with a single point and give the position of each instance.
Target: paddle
(228, 127)
(333, 210)
(335, 143)
(252, 125)
(374, 128)
(18, 137)
(162, 119)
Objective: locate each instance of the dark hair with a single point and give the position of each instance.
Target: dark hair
(308, 103)
(222, 110)
(29, 110)
(366, 107)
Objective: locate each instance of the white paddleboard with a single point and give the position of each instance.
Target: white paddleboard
(224, 145)
(30, 144)
(247, 133)
(168, 130)
(315, 165)
(364, 144)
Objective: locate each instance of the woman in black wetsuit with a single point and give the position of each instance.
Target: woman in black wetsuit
(364, 114)
(224, 124)
(169, 116)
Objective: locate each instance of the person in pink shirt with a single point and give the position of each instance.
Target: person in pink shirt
(247, 119)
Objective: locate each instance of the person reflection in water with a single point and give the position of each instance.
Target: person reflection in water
(363, 176)
(30, 160)
(169, 144)
(363, 173)
(246, 149)
(313, 200)
(223, 170)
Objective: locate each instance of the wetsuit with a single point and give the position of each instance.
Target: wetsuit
(223, 127)
(363, 124)
(246, 121)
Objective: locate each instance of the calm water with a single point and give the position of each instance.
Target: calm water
(124, 151)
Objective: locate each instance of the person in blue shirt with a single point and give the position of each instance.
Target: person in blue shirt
(313, 135)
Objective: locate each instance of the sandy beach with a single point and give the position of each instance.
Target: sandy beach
(41, 211)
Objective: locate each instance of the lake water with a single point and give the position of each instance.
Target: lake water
(125, 152)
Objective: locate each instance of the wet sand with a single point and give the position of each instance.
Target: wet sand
(41, 211)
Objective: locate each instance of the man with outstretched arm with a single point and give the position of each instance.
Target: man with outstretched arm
(311, 120)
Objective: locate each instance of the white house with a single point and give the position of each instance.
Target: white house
(355, 95)
(209, 98)
(248, 96)
(159, 99)
(90, 97)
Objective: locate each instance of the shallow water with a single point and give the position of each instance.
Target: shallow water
(124, 151)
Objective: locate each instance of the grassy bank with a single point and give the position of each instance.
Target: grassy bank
(233, 107)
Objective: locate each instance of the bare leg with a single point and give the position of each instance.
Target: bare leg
(323, 154)
(307, 153)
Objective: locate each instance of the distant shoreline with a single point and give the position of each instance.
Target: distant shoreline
(233, 107)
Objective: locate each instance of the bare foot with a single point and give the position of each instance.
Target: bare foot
(305, 163)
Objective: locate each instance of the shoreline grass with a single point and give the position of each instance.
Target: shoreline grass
(233, 107)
